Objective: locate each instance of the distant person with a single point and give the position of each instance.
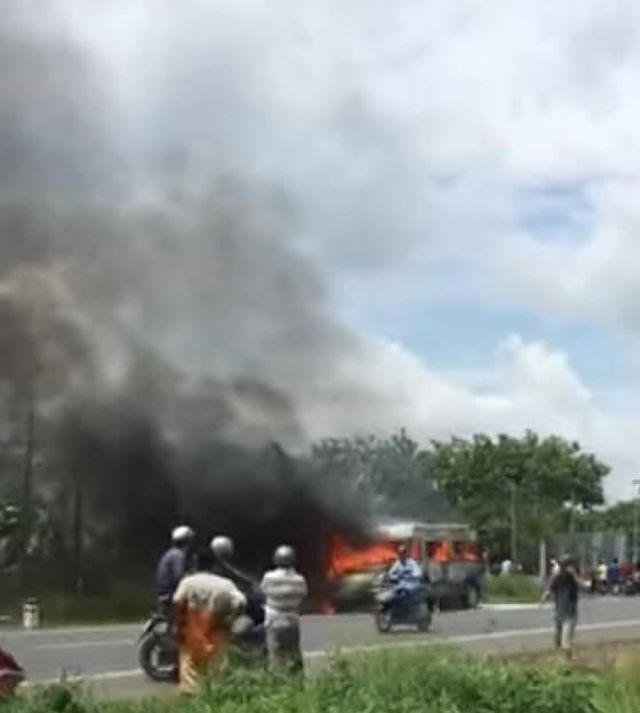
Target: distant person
(613, 574)
(506, 568)
(601, 574)
(555, 566)
(626, 571)
(173, 565)
(205, 605)
(563, 589)
(285, 590)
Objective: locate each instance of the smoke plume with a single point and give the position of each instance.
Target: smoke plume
(158, 319)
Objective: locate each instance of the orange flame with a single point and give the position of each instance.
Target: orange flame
(344, 559)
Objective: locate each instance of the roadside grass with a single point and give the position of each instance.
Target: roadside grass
(122, 604)
(516, 588)
(435, 681)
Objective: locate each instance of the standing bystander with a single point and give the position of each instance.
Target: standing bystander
(205, 605)
(284, 589)
(563, 588)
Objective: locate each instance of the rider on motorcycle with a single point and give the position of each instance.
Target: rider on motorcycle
(173, 565)
(406, 574)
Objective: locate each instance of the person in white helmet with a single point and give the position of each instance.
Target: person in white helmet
(285, 590)
(173, 565)
(205, 606)
(223, 550)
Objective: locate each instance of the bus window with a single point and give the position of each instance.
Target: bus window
(439, 551)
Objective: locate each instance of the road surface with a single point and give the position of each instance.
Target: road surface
(105, 657)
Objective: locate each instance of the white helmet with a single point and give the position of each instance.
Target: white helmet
(222, 547)
(181, 534)
(284, 556)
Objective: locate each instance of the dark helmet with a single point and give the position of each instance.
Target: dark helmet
(284, 556)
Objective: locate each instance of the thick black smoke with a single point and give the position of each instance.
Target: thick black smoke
(164, 336)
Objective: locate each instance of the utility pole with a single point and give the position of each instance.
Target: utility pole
(636, 483)
(26, 514)
(572, 516)
(78, 532)
(514, 524)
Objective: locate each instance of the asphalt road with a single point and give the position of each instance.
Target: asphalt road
(105, 657)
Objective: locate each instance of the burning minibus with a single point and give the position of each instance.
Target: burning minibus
(447, 552)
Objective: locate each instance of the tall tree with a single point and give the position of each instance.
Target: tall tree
(392, 474)
(498, 483)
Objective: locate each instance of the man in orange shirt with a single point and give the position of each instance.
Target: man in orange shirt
(205, 606)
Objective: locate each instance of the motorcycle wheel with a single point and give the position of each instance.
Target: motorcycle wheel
(158, 658)
(383, 620)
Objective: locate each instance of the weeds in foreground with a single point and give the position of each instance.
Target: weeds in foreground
(435, 681)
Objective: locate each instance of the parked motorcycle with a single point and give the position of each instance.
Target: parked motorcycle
(399, 604)
(158, 649)
(631, 585)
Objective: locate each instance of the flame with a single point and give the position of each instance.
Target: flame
(344, 559)
(468, 552)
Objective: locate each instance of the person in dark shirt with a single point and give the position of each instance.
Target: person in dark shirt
(173, 565)
(223, 549)
(613, 575)
(564, 588)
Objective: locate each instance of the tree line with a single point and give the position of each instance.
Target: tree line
(513, 490)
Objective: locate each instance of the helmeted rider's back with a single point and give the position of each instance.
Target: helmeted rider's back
(174, 563)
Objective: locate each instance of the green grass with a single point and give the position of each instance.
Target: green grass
(122, 604)
(512, 588)
(436, 681)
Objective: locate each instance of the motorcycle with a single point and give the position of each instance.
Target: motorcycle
(399, 604)
(158, 649)
(631, 585)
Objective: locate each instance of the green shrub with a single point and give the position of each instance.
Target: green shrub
(435, 681)
(512, 588)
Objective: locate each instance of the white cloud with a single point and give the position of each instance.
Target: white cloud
(401, 132)
(529, 385)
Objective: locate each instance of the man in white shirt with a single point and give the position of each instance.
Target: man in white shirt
(205, 605)
(284, 589)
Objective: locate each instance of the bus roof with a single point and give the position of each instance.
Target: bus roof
(405, 530)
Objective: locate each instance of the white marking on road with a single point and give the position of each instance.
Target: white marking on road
(83, 644)
(69, 631)
(524, 606)
(466, 638)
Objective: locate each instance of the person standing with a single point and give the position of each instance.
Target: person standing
(284, 589)
(613, 576)
(564, 588)
(205, 605)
